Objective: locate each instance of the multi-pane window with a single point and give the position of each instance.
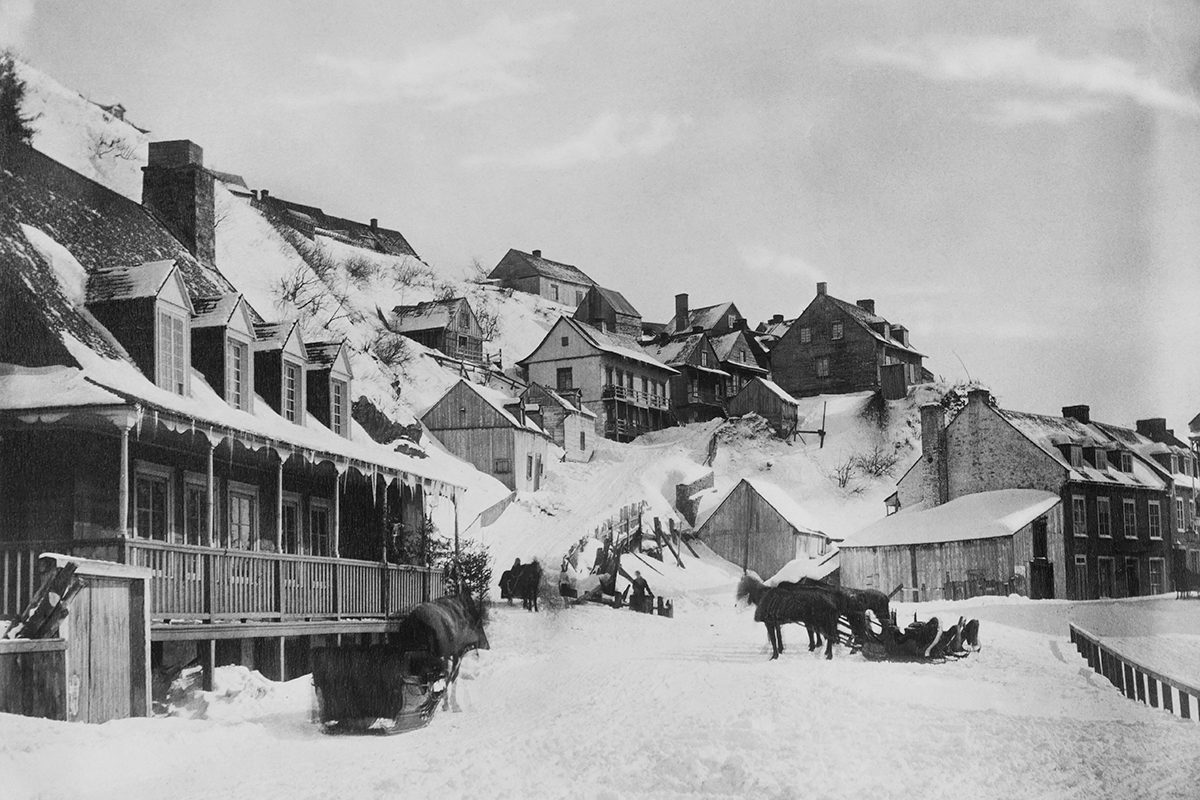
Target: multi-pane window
(195, 512)
(1103, 518)
(320, 528)
(564, 378)
(1126, 462)
(1129, 515)
(1076, 456)
(1078, 515)
(172, 352)
(291, 525)
(1157, 570)
(236, 386)
(243, 509)
(1174, 464)
(835, 331)
(703, 358)
(822, 366)
(1101, 459)
(1155, 520)
(152, 503)
(291, 392)
(1179, 522)
(501, 465)
(805, 334)
(337, 412)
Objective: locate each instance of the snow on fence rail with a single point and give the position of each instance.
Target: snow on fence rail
(1136, 681)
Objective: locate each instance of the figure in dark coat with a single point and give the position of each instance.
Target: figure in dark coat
(641, 594)
(507, 578)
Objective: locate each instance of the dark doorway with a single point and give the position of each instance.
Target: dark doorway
(1041, 580)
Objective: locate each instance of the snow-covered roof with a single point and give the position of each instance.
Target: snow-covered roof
(519, 264)
(130, 282)
(426, 316)
(211, 312)
(678, 351)
(866, 319)
(983, 515)
(617, 344)
(791, 511)
(706, 317)
(500, 402)
(567, 404)
(778, 391)
(723, 346)
(816, 568)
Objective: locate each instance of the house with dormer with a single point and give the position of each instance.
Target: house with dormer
(715, 320)
(608, 310)
(698, 390)
(1105, 535)
(535, 274)
(150, 416)
(448, 326)
(836, 347)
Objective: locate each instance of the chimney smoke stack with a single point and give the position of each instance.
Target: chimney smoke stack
(822, 287)
(537, 253)
(1081, 414)
(178, 191)
(681, 312)
(867, 305)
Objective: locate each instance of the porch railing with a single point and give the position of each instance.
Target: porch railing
(647, 399)
(199, 583)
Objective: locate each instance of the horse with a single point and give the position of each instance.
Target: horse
(507, 578)
(447, 628)
(970, 636)
(852, 603)
(526, 583)
(775, 606)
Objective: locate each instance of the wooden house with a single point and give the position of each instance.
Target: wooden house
(979, 543)
(1112, 541)
(553, 280)
(564, 418)
(741, 356)
(698, 390)
(627, 389)
(757, 526)
(149, 417)
(715, 320)
(491, 431)
(310, 221)
(835, 347)
(765, 398)
(608, 310)
(449, 326)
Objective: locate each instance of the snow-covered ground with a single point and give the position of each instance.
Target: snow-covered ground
(594, 703)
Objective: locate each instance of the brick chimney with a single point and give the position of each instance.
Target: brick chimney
(867, 305)
(1155, 429)
(822, 287)
(681, 312)
(1078, 413)
(935, 483)
(178, 191)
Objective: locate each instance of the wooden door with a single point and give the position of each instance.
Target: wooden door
(1041, 580)
(100, 668)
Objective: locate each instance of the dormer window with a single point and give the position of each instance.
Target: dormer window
(1174, 464)
(293, 388)
(1101, 459)
(237, 382)
(337, 407)
(1126, 462)
(1076, 455)
(172, 355)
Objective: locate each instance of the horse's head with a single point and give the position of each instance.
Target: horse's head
(476, 615)
(750, 589)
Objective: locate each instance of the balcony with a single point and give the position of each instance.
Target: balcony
(634, 397)
(207, 585)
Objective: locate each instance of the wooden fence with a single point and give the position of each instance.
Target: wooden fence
(1135, 681)
(189, 582)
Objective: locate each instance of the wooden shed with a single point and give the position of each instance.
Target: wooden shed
(485, 428)
(765, 398)
(757, 526)
(996, 542)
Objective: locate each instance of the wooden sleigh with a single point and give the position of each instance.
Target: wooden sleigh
(376, 689)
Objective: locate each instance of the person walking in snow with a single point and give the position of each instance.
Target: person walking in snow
(641, 593)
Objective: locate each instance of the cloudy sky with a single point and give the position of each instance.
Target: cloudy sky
(1018, 183)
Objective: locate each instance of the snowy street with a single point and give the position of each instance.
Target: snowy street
(594, 703)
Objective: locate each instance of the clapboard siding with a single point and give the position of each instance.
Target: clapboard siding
(463, 408)
(748, 531)
(757, 398)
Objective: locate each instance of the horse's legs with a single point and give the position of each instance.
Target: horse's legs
(814, 636)
(831, 635)
(771, 633)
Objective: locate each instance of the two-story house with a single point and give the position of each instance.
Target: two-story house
(564, 418)
(835, 347)
(608, 310)
(739, 354)
(698, 391)
(626, 388)
(150, 416)
(532, 273)
(449, 326)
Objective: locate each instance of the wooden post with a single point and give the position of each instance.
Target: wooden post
(208, 662)
(210, 488)
(337, 513)
(279, 506)
(123, 486)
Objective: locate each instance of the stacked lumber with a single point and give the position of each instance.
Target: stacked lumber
(48, 606)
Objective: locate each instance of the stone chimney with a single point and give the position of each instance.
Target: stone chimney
(178, 191)
(265, 195)
(537, 253)
(822, 287)
(1078, 413)
(1155, 429)
(374, 224)
(681, 312)
(867, 305)
(777, 319)
(979, 395)
(933, 452)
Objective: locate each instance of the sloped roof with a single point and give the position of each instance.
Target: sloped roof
(1049, 433)
(129, 283)
(617, 301)
(777, 390)
(706, 317)
(323, 354)
(723, 346)
(866, 319)
(675, 352)
(983, 515)
(426, 316)
(518, 264)
(498, 401)
(215, 311)
(791, 511)
(616, 344)
(567, 404)
(1147, 448)
(359, 234)
(277, 332)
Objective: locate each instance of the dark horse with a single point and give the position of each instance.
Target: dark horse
(525, 584)
(850, 602)
(446, 628)
(776, 606)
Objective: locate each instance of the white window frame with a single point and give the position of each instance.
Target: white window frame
(1100, 457)
(1076, 455)
(1103, 518)
(195, 480)
(837, 331)
(317, 504)
(529, 466)
(1179, 508)
(1129, 517)
(238, 489)
(1162, 575)
(337, 407)
(1079, 515)
(240, 397)
(296, 413)
(818, 363)
(1155, 516)
(1174, 464)
(172, 370)
(1126, 462)
(805, 334)
(158, 472)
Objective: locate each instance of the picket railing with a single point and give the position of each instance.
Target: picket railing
(1134, 680)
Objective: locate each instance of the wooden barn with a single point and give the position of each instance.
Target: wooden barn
(448, 326)
(981, 543)
(757, 526)
(765, 398)
(490, 430)
(564, 418)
